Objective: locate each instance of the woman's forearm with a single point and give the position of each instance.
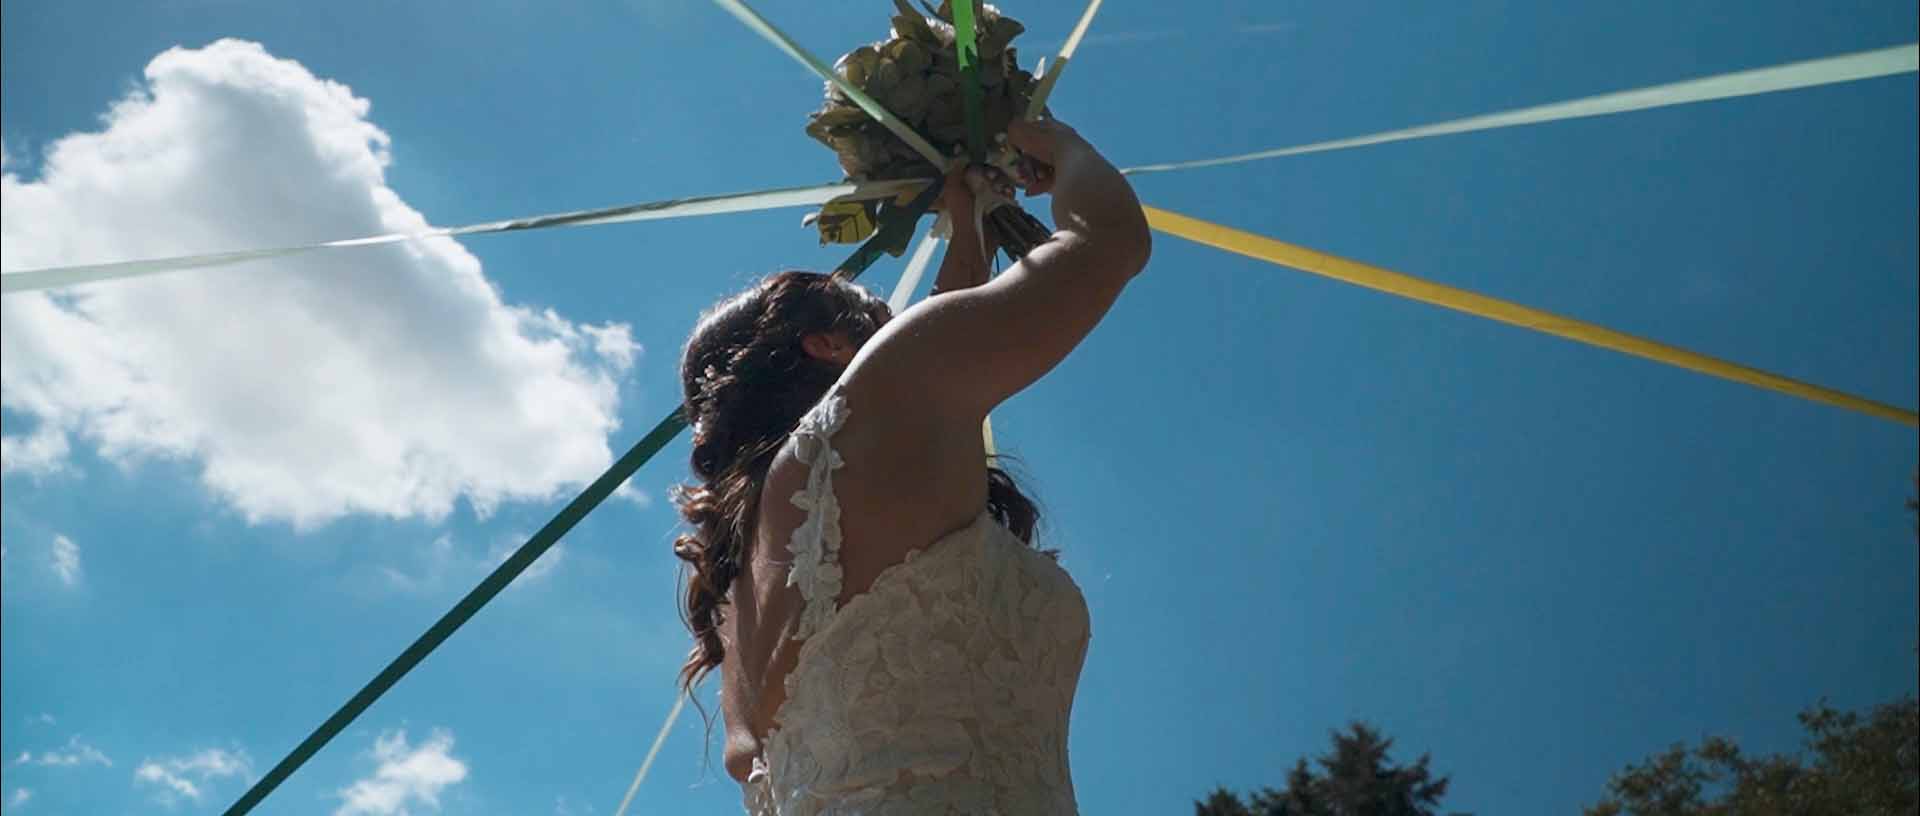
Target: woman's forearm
(1090, 197)
(963, 266)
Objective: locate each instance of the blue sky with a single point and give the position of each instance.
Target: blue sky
(1290, 502)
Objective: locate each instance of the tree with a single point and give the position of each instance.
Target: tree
(1913, 504)
(1859, 767)
(1221, 802)
(1357, 778)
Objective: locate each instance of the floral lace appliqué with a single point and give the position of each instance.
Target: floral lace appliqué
(946, 688)
(815, 546)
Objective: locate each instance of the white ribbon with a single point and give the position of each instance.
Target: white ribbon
(646, 764)
(1902, 59)
(31, 279)
(1047, 79)
(867, 103)
(916, 267)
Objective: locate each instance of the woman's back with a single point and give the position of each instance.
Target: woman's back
(934, 679)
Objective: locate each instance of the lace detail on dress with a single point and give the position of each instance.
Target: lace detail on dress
(944, 689)
(815, 546)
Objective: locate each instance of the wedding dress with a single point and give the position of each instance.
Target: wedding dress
(944, 689)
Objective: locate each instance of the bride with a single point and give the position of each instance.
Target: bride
(889, 639)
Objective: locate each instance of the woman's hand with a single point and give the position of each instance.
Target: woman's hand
(968, 254)
(966, 183)
(1044, 144)
(1091, 199)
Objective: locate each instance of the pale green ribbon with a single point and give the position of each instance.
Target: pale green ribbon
(31, 279)
(1900, 59)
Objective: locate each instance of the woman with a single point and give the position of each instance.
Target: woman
(889, 640)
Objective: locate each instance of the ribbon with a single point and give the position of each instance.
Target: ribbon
(1901, 59)
(1461, 300)
(780, 40)
(46, 278)
(1038, 102)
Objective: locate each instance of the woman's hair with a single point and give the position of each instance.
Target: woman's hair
(747, 383)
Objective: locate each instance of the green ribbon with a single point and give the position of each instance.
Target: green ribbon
(969, 53)
(492, 585)
(897, 226)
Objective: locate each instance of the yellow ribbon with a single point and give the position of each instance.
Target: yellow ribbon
(1407, 286)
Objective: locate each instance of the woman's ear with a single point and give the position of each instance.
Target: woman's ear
(827, 346)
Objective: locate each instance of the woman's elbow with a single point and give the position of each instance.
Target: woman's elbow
(1114, 250)
(1133, 247)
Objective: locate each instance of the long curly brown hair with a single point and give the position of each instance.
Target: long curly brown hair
(747, 382)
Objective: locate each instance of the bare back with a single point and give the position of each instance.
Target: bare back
(944, 682)
(910, 481)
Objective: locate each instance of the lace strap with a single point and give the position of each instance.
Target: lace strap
(815, 545)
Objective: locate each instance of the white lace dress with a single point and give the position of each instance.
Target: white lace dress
(945, 689)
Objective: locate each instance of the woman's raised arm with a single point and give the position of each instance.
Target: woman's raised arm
(970, 349)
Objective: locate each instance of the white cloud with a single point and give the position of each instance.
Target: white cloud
(172, 784)
(562, 808)
(66, 560)
(41, 452)
(437, 562)
(406, 775)
(43, 718)
(547, 563)
(615, 343)
(20, 797)
(633, 495)
(442, 564)
(189, 777)
(75, 753)
(1107, 38)
(390, 381)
